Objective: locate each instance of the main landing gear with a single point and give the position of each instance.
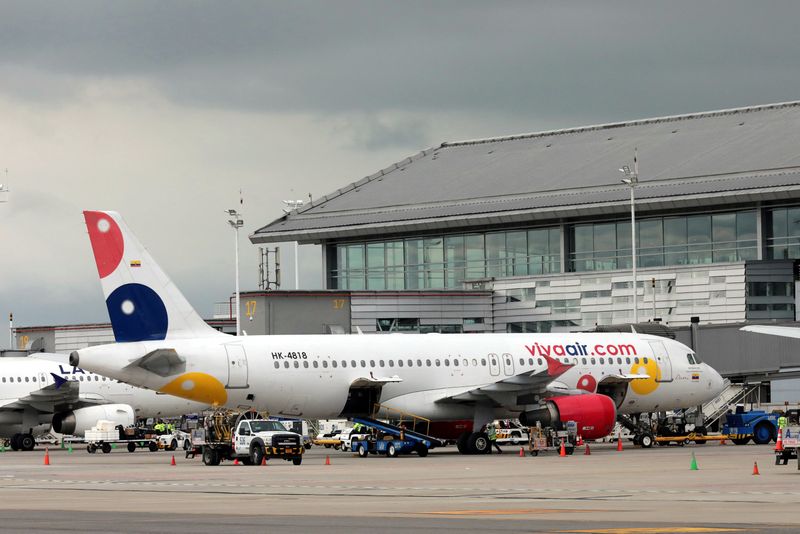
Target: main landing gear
(474, 443)
(23, 442)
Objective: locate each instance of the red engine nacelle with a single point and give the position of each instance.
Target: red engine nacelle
(595, 414)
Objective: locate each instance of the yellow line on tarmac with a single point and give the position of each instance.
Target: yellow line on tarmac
(518, 511)
(653, 530)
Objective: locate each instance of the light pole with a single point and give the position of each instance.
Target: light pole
(236, 222)
(632, 179)
(293, 205)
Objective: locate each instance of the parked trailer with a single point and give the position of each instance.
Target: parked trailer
(791, 447)
(104, 438)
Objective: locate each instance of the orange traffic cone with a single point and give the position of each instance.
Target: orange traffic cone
(235, 461)
(587, 452)
(580, 441)
(722, 441)
(563, 451)
(46, 456)
(619, 441)
(755, 468)
(264, 461)
(327, 459)
(779, 442)
(521, 452)
(173, 460)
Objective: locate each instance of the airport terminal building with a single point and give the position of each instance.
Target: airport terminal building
(542, 223)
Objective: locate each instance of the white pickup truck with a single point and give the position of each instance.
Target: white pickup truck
(227, 436)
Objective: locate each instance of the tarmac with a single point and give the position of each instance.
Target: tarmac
(633, 491)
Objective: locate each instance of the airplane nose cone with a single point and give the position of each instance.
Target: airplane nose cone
(717, 382)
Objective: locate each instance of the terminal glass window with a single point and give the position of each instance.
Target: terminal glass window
(783, 233)
(660, 241)
(446, 261)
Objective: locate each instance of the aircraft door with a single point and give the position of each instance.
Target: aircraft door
(494, 365)
(508, 364)
(237, 367)
(661, 356)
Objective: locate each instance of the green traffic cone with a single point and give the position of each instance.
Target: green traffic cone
(69, 450)
(694, 464)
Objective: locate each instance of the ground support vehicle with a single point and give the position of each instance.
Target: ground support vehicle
(758, 425)
(511, 433)
(549, 439)
(791, 447)
(392, 439)
(105, 436)
(172, 440)
(228, 435)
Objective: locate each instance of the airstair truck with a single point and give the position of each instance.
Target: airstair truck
(245, 437)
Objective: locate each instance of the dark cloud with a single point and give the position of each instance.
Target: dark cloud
(540, 59)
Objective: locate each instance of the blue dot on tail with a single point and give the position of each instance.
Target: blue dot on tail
(137, 313)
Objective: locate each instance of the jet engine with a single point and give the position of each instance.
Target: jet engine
(594, 414)
(79, 421)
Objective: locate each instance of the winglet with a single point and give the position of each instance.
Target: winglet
(555, 367)
(60, 381)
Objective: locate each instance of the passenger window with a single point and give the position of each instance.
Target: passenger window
(474, 362)
(522, 361)
(372, 363)
(465, 362)
(628, 361)
(81, 379)
(483, 362)
(593, 361)
(455, 362)
(530, 362)
(419, 363)
(344, 363)
(601, 361)
(438, 363)
(285, 365)
(583, 361)
(383, 364)
(297, 365)
(363, 363)
(399, 363)
(277, 365)
(645, 359)
(636, 360)
(411, 363)
(305, 364)
(619, 360)
(428, 363)
(315, 363)
(334, 364)
(324, 364)
(4, 380)
(539, 361)
(447, 363)
(352, 363)
(391, 363)
(33, 378)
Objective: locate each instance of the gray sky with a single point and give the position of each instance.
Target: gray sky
(163, 110)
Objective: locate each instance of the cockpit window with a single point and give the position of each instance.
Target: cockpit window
(692, 359)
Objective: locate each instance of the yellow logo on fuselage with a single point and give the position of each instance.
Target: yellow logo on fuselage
(648, 385)
(199, 387)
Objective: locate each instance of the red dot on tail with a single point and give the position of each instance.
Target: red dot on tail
(107, 243)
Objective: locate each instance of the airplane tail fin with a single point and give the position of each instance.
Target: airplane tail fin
(143, 303)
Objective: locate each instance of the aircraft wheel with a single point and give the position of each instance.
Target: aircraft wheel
(462, 443)
(646, 440)
(26, 442)
(362, 451)
(479, 443)
(106, 448)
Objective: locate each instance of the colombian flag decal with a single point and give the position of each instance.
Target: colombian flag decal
(695, 376)
(136, 263)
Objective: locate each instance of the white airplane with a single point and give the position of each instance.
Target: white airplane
(459, 381)
(43, 390)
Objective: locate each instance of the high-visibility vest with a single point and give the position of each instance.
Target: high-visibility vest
(492, 433)
(782, 422)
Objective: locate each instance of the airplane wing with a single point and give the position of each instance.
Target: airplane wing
(527, 383)
(48, 399)
(784, 331)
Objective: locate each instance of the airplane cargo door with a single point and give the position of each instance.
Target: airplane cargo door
(662, 359)
(237, 366)
(494, 365)
(508, 364)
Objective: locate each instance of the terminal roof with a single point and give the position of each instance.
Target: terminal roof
(685, 161)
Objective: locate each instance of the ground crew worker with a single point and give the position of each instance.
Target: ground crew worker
(159, 427)
(493, 438)
(782, 421)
